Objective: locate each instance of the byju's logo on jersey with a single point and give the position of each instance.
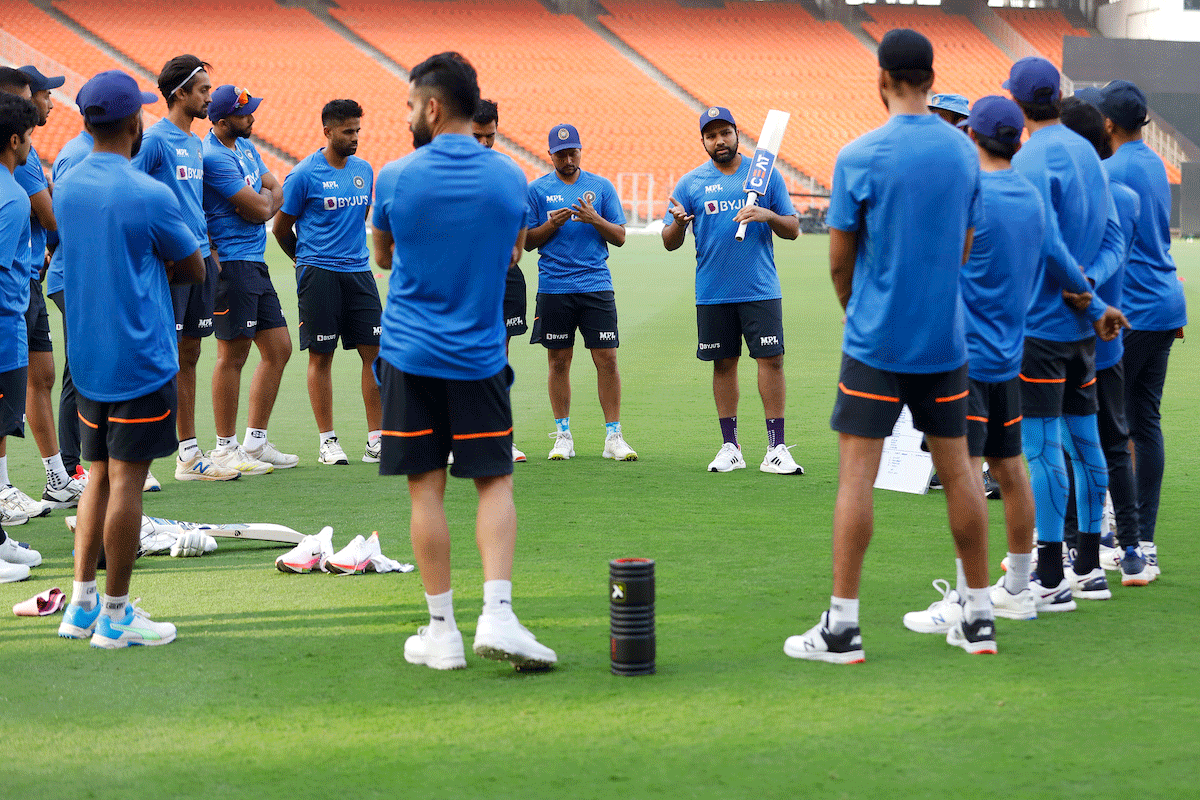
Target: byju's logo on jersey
(184, 173)
(334, 203)
(717, 206)
(711, 206)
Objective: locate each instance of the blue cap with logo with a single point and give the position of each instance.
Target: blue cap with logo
(717, 114)
(39, 82)
(1124, 104)
(1033, 80)
(110, 96)
(564, 137)
(997, 118)
(231, 101)
(955, 103)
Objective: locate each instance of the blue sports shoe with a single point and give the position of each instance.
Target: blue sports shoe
(136, 628)
(78, 623)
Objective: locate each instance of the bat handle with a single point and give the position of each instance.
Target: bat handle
(751, 199)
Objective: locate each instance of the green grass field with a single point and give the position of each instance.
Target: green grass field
(295, 686)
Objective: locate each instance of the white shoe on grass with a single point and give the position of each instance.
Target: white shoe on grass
(518, 456)
(372, 451)
(15, 552)
(616, 448)
(501, 637)
(201, 468)
(269, 454)
(436, 652)
(15, 500)
(1013, 606)
(818, 643)
(136, 628)
(941, 616)
(151, 484)
(729, 458)
(236, 458)
(779, 461)
(11, 573)
(332, 453)
(66, 497)
(564, 446)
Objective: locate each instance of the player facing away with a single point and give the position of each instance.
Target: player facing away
(322, 227)
(900, 217)
(445, 222)
(1153, 298)
(573, 217)
(174, 156)
(1083, 247)
(240, 196)
(737, 287)
(484, 128)
(996, 284)
(18, 117)
(120, 229)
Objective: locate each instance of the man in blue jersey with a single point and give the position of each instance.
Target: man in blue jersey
(124, 237)
(1083, 248)
(173, 155)
(996, 283)
(446, 219)
(240, 197)
(737, 287)
(1153, 297)
(18, 117)
(573, 217)
(322, 227)
(900, 215)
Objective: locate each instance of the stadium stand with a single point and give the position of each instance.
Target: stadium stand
(1042, 28)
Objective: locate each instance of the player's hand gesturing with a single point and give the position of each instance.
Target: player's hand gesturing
(677, 211)
(586, 212)
(754, 213)
(559, 216)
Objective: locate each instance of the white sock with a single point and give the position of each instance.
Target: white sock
(327, 435)
(843, 613)
(497, 595)
(188, 449)
(84, 595)
(960, 585)
(374, 436)
(255, 439)
(4, 481)
(56, 473)
(979, 604)
(226, 441)
(441, 612)
(1017, 577)
(114, 607)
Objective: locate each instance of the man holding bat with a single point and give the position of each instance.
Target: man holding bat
(737, 287)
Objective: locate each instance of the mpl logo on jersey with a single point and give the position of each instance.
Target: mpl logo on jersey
(330, 185)
(760, 172)
(185, 173)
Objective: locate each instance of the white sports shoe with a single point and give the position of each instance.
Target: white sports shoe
(11, 573)
(66, 497)
(235, 457)
(1092, 586)
(15, 552)
(135, 629)
(729, 458)
(371, 452)
(501, 637)
(311, 553)
(151, 483)
(332, 453)
(436, 652)
(1150, 553)
(818, 643)
(518, 456)
(1013, 606)
(564, 446)
(13, 498)
(201, 468)
(616, 448)
(355, 557)
(11, 512)
(1055, 598)
(269, 454)
(941, 616)
(779, 460)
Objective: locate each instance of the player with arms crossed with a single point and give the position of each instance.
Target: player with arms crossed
(737, 287)
(326, 199)
(573, 217)
(119, 226)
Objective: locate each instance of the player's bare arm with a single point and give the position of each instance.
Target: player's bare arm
(611, 232)
(382, 244)
(254, 206)
(970, 240)
(541, 234)
(285, 233)
(785, 227)
(186, 270)
(42, 209)
(843, 249)
(674, 234)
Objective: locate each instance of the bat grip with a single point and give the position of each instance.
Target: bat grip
(751, 199)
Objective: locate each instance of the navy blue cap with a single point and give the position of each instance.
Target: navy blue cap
(1124, 104)
(997, 118)
(39, 82)
(1090, 95)
(955, 103)
(563, 137)
(1033, 80)
(717, 114)
(231, 101)
(110, 96)
(904, 48)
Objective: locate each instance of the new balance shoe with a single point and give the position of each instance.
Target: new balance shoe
(78, 623)
(66, 497)
(616, 448)
(311, 553)
(136, 628)
(371, 451)
(269, 454)
(332, 453)
(941, 615)
(1092, 586)
(151, 483)
(436, 652)
(518, 456)
(236, 458)
(11, 573)
(729, 458)
(1134, 569)
(977, 638)
(1057, 598)
(1150, 553)
(14, 499)
(564, 446)
(779, 461)
(15, 552)
(500, 636)
(201, 468)
(1013, 606)
(819, 644)
(355, 557)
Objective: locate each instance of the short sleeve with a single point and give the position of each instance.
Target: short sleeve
(682, 198)
(612, 205)
(383, 199)
(172, 238)
(262, 168)
(221, 172)
(295, 191)
(12, 217)
(31, 177)
(149, 157)
(533, 214)
(851, 189)
(778, 198)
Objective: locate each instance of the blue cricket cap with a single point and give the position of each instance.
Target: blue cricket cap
(1090, 95)
(564, 137)
(1033, 80)
(111, 96)
(1124, 104)
(997, 118)
(39, 82)
(904, 48)
(716, 114)
(951, 102)
(231, 101)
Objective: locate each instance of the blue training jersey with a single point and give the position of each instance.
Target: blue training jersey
(175, 158)
(910, 190)
(330, 206)
(454, 210)
(118, 225)
(1153, 297)
(997, 279)
(32, 179)
(226, 171)
(1129, 207)
(71, 154)
(575, 258)
(14, 272)
(729, 271)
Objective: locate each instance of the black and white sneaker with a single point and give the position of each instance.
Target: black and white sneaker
(977, 638)
(819, 644)
(1052, 598)
(1092, 586)
(991, 489)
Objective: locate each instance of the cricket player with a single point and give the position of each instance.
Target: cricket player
(322, 227)
(445, 222)
(573, 217)
(954, 108)
(120, 229)
(737, 286)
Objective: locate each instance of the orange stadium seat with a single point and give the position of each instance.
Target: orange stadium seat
(1043, 28)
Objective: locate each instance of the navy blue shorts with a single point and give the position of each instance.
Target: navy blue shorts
(141, 429)
(246, 301)
(994, 419)
(558, 315)
(1058, 378)
(869, 401)
(12, 401)
(337, 305)
(194, 303)
(37, 320)
(516, 303)
(722, 327)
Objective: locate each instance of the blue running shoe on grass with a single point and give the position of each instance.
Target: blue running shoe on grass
(78, 623)
(136, 628)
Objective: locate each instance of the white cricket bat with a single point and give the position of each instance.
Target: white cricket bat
(262, 531)
(762, 164)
